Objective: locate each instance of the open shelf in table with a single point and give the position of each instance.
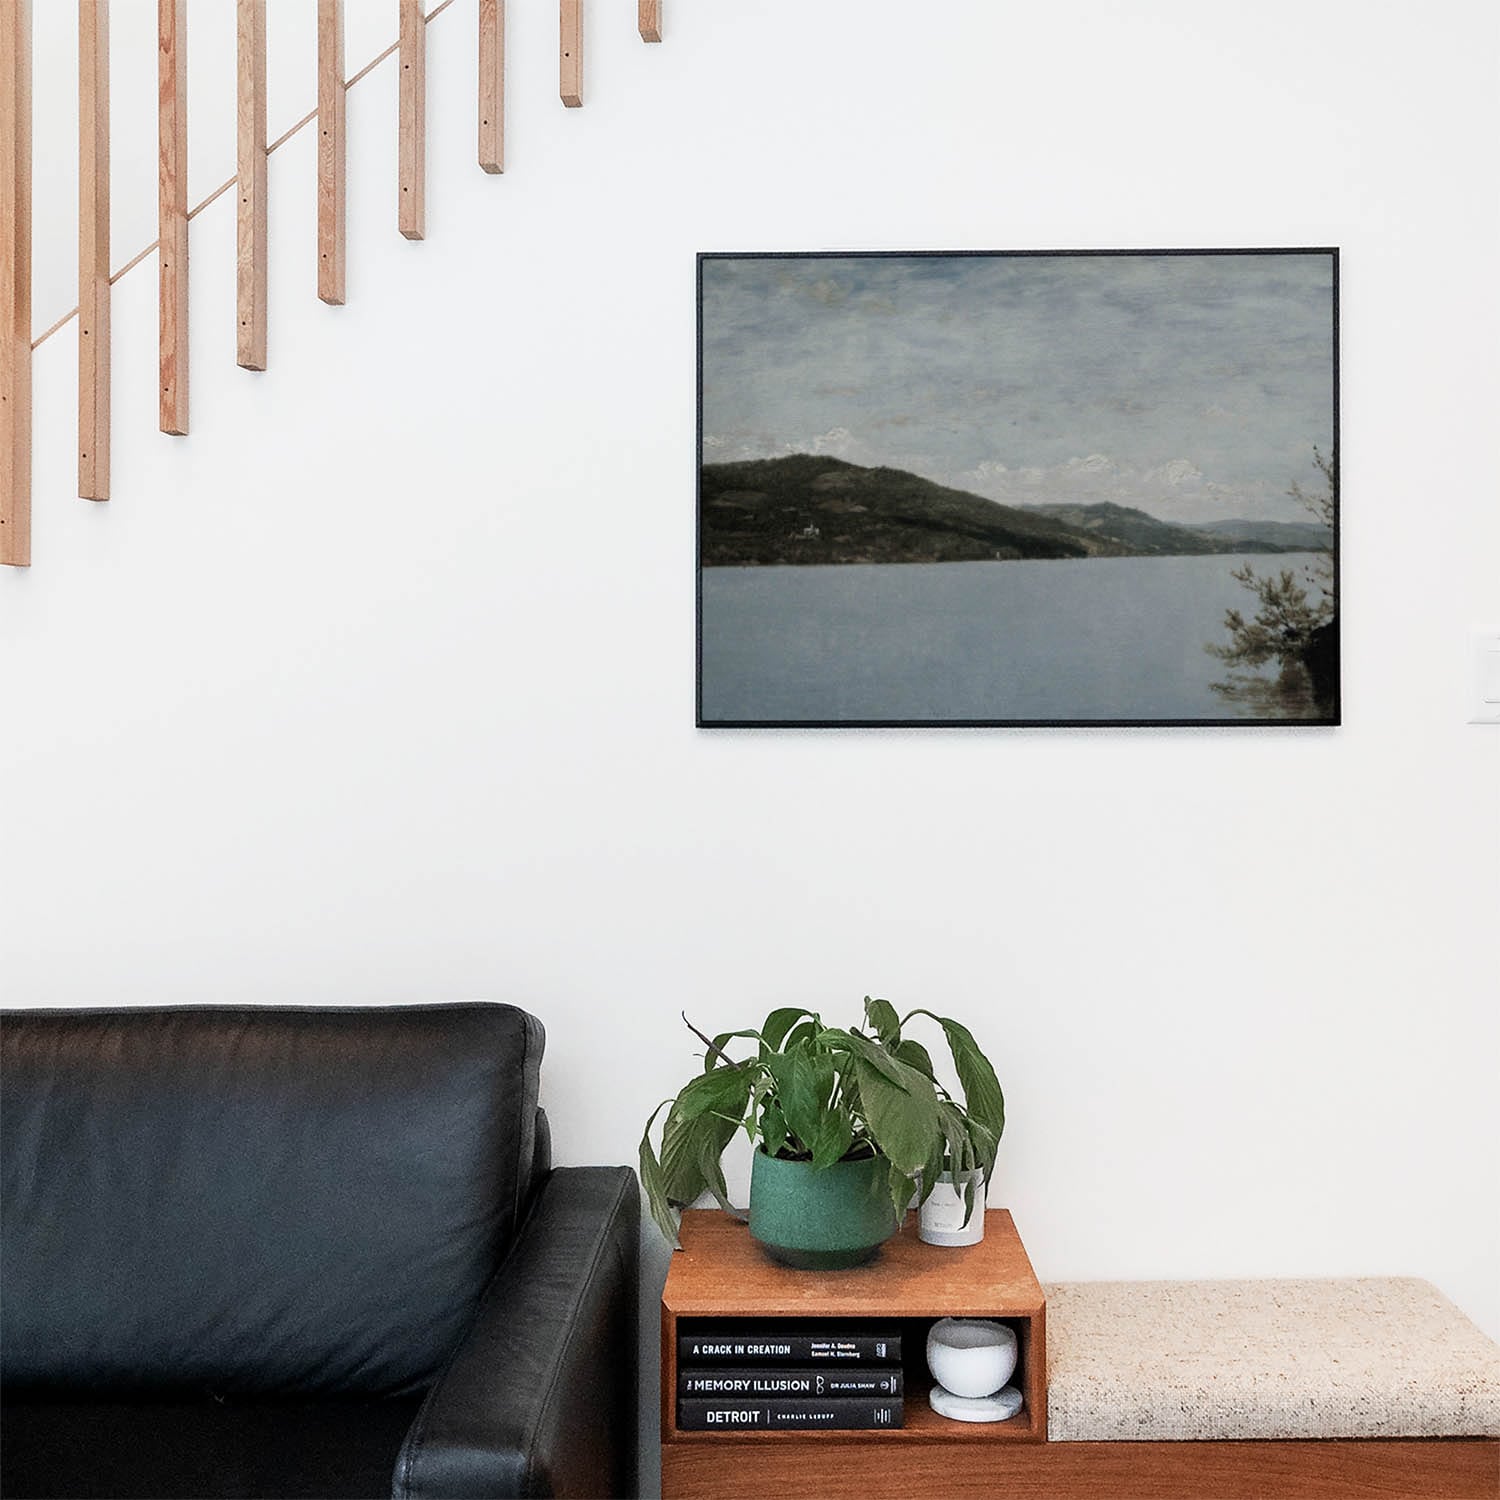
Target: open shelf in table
(921, 1422)
(922, 1425)
(723, 1278)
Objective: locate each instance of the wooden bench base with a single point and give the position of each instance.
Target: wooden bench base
(1335, 1469)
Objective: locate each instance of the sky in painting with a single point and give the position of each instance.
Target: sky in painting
(1192, 386)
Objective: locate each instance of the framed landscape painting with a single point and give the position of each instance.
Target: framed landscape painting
(1018, 488)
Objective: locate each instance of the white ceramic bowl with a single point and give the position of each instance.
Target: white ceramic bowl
(971, 1356)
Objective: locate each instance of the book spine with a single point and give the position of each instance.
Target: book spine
(711, 1349)
(846, 1413)
(816, 1381)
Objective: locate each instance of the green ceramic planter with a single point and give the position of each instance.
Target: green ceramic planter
(821, 1220)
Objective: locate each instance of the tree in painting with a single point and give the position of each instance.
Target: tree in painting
(1296, 625)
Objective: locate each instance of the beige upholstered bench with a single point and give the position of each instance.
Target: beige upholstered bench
(1272, 1388)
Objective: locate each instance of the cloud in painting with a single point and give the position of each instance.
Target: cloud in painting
(1191, 386)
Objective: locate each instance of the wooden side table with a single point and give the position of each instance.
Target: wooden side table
(721, 1274)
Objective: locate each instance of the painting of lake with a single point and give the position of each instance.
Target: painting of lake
(1051, 489)
(1112, 639)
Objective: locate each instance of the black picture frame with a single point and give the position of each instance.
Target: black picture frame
(715, 707)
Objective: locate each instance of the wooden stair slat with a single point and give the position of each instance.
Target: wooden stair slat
(251, 225)
(492, 85)
(412, 52)
(570, 52)
(93, 250)
(172, 214)
(15, 283)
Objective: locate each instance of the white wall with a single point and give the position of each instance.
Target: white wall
(380, 685)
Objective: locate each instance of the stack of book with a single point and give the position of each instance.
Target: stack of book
(812, 1377)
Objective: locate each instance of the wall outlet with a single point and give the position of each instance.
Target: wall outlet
(1486, 677)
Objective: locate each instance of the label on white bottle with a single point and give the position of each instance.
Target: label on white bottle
(944, 1208)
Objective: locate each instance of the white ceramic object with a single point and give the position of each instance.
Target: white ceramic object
(1000, 1407)
(971, 1356)
(940, 1220)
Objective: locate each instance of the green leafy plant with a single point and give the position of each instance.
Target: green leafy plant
(822, 1094)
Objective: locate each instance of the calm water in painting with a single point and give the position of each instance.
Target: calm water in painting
(1099, 638)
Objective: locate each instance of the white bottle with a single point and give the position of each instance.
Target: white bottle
(940, 1220)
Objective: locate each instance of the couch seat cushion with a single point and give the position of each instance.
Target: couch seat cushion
(331, 1450)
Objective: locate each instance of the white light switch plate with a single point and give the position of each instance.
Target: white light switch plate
(1486, 677)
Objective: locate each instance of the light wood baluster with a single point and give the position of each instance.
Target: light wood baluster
(331, 151)
(251, 153)
(15, 283)
(492, 85)
(172, 213)
(570, 52)
(412, 49)
(93, 250)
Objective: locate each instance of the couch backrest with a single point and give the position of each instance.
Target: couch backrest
(255, 1200)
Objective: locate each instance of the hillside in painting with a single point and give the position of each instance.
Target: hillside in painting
(807, 509)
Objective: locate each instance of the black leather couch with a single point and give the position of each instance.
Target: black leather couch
(288, 1252)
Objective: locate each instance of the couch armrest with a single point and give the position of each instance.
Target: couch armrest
(540, 1398)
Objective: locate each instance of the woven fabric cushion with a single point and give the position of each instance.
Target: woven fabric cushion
(1162, 1360)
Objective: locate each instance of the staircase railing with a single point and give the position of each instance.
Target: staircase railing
(175, 215)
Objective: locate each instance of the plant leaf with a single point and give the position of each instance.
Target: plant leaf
(762, 1086)
(778, 1023)
(873, 1055)
(853, 1107)
(970, 1150)
(914, 1055)
(803, 1031)
(932, 1169)
(721, 1090)
(797, 1092)
(902, 1117)
(690, 1156)
(653, 1179)
(682, 1178)
(834, 1136)
(982, 1094)
(900, 1185)
(773, 1128)
(957, 1146)
(985, 1145)
(881, 1016)
(710, 1148)
(716, 1056)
